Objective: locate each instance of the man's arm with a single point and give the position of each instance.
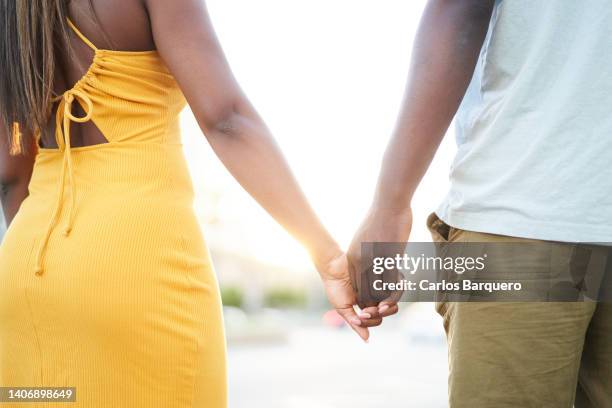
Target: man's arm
(445, 53)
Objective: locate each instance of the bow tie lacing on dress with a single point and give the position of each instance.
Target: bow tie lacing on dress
(63, 118)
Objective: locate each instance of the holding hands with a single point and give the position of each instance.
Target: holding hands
(380, 225)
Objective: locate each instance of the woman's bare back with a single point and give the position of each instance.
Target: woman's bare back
(121, 25)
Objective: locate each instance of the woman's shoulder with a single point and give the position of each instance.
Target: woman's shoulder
(121, 25)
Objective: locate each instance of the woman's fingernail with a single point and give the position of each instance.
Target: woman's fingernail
(356, 322)
(383, 308)
(365, 315)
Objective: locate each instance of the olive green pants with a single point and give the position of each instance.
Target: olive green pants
(527, 354)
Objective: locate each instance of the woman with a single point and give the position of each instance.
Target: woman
(105, 281)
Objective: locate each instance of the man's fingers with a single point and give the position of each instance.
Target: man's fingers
(371, 322)
(386, 309)
(395, 295)
(370, 316)
(389, 306)
(369, 313)
(349, 315)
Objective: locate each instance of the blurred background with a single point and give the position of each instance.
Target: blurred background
(328, 78)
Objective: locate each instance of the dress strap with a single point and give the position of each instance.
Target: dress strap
(81, 36)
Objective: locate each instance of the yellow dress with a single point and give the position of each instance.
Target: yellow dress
(106, 283)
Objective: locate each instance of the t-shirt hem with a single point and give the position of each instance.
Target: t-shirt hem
(492, 223)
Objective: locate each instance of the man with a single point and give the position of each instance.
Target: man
(529, 85)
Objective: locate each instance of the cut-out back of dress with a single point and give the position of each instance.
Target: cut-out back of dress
(82, 134)
(129, 98)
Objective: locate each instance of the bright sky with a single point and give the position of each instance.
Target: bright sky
(327, 77)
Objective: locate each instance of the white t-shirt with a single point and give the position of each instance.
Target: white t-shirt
(534, 130)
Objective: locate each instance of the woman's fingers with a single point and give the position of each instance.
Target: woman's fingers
(351, 318)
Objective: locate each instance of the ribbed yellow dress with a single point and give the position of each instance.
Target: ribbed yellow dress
(106, 284)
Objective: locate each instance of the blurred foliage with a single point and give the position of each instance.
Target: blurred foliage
(285, 298)
(232, 296)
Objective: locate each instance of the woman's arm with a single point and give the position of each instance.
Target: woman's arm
(186, 40)
(15, 173)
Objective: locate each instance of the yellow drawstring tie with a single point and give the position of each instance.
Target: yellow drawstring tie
(62, 137)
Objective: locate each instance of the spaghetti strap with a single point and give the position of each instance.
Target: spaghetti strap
(81, 35)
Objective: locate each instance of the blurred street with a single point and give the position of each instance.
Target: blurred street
(404, 365)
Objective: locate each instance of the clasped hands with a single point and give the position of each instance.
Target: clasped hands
(380, 225)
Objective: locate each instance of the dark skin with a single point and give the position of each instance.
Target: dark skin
(15, 173)
(181, 31)
(446, 50)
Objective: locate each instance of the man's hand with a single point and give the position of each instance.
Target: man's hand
(381, 225)
(446, 50)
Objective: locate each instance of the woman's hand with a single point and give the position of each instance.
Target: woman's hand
(183, 32)
(335, 275)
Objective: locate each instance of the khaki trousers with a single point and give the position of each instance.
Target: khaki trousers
(527, 354)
